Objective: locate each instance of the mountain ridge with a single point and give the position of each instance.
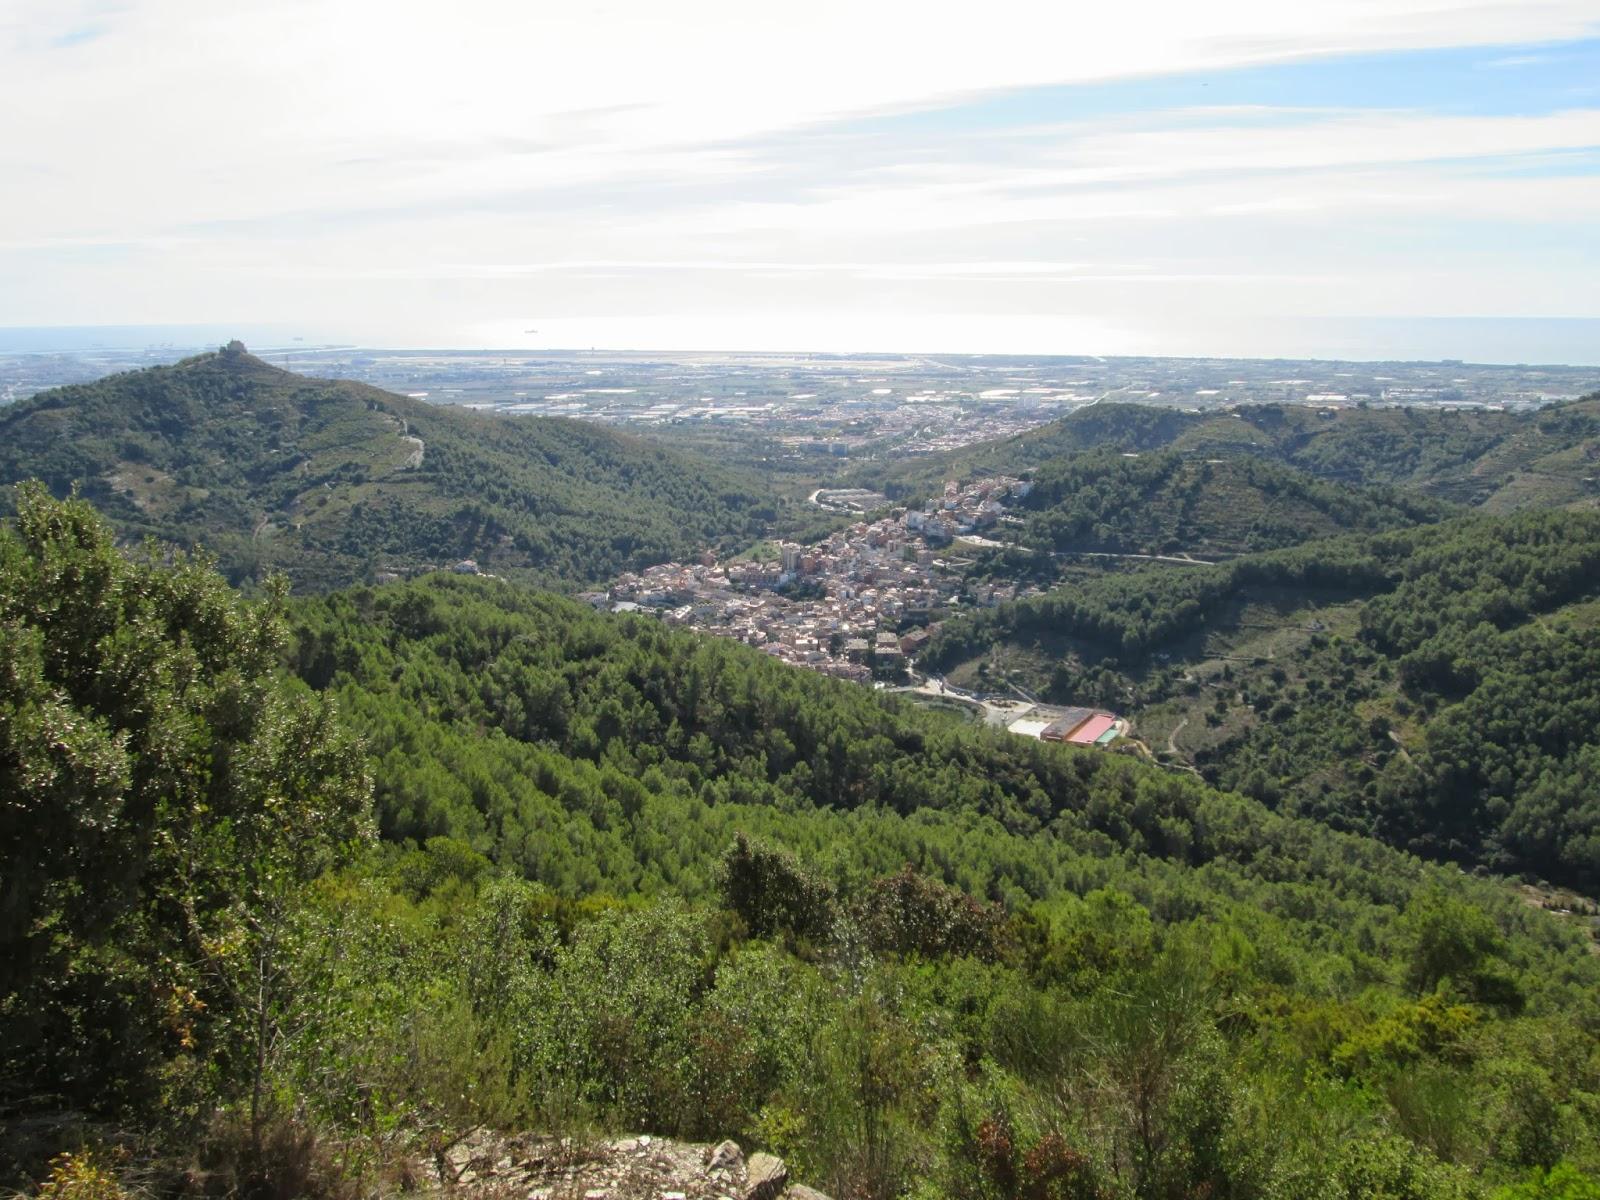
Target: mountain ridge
(331, 481)
(1431, 686)
(1481, 458)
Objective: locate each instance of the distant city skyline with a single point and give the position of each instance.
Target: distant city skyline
(1411, 179)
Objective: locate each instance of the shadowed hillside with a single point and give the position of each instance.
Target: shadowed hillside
(1434, 686)
(1167, 502)
(1496, 460)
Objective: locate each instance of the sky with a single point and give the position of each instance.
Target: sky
(1338, 178)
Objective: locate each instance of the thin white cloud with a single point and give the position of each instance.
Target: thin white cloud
(207, 111)
(1514, 61)
(910, 271)
(426, 166)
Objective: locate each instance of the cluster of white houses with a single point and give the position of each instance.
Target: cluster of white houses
(852, 605)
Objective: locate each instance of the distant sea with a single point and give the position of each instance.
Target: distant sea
(50, 339)
(1568, 341)
(1571, 341)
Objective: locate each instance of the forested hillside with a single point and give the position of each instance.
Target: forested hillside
(1167, 503)
(330, 482)
(1496, 460)
(635, 879)
(1435, 687)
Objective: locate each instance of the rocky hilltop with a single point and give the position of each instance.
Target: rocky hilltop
(333, 482)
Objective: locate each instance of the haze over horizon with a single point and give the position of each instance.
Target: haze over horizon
(1483, 342)
(1352, 180)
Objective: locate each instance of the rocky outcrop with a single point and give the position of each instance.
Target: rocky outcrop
(726, 1156)
(492, 1167)
(764, 1177)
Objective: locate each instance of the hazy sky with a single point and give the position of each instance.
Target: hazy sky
(1049, 177)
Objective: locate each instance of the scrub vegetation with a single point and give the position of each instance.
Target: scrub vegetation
(618, 877)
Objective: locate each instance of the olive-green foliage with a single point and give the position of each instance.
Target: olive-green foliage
(1496, 460)
(1561, 1182)
(595, 753)
(606, 1026)
(1187, 990)
(1455, 942)
(1180, 994)
(1185, 1067)
(162, 787)
(909, 913)
(318, 479)
(1166, 503)
(772, 893)
(1126, 617)
(81, 1176)
(1472, 628)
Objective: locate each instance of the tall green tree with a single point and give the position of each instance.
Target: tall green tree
(163, 787)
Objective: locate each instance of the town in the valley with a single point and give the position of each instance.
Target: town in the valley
(860, 604)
